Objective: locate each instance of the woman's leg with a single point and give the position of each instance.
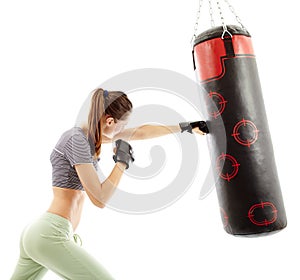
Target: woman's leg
(50, 243)
(26, 268)
(72, 262)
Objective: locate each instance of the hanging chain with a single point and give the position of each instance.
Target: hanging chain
(197, 21)
(225, 30)
(211, 12)
(212, 22)
(221, 14)
(235, 14)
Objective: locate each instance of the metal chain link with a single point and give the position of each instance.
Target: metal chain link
(197, 21)
(211, 12)
(225, 30)
(235, 14)
(221, 13)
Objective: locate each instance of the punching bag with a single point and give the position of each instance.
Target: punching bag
(245, 172)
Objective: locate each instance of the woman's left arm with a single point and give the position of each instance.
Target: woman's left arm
(150, 131)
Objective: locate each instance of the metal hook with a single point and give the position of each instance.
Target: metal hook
(225, 31)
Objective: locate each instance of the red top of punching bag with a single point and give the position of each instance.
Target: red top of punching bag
(210, 50)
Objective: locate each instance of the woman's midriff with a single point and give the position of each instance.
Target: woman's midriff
(67, 203)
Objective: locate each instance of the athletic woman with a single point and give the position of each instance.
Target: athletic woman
(50, 243)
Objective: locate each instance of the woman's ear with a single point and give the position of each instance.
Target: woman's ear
(110, 121)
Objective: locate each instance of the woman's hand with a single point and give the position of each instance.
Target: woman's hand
(123, 153)
(198, 131)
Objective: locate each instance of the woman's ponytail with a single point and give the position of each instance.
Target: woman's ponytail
(95, 120)
(111, 103)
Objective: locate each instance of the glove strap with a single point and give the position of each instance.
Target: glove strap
(186, 126)
(124, 153)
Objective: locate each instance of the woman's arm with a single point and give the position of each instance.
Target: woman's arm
(147, 131)
(151, 131)
(99, 193)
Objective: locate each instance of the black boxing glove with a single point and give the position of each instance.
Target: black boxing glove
(123, 153)
(188, 126)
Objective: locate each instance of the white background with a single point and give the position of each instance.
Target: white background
(53, 53)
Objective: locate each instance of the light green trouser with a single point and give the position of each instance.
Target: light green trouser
(49, 244)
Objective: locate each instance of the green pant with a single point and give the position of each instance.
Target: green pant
(49, 244)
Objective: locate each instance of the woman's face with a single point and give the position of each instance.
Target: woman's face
(112, 128)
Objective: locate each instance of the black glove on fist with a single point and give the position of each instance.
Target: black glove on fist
(188, 126)
(124, 152)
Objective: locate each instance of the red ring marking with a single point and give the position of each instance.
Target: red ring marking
(262, 205)
(222, 102)
(235, 166)
(236, 134)
(225, 217)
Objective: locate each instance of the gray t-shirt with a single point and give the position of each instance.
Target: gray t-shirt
(72, 148)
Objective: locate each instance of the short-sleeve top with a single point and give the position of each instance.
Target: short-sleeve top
(72, 148)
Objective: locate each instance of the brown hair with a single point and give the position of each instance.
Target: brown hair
(113, 103)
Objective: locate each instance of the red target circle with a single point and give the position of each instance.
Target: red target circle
(237, 135)
(225, 218)
(218, 99)
(232, 162)
(263, 209)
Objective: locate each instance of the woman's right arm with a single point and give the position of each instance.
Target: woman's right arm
(99, 193)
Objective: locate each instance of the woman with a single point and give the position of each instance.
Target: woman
(49, 243)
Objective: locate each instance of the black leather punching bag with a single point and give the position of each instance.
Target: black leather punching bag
(247, 185)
